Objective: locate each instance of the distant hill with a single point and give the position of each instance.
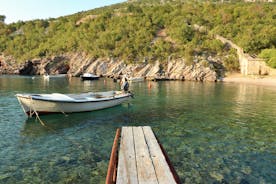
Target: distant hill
(153, 30)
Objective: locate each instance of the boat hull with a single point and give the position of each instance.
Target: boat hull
(89, 78)
(54, 76)
(30, 105)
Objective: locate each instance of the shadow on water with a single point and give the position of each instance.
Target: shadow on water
(58, 123)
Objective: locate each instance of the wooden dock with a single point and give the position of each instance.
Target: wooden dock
(141, 159)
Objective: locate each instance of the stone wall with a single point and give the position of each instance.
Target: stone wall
(248, 64)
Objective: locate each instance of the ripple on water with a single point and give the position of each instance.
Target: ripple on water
(213, 133)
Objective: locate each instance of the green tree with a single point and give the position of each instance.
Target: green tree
(2, 18)
(270, 57)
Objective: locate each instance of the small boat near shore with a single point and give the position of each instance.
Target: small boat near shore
(89, 76)
(135, 79)
(47, 77)
(70, 103)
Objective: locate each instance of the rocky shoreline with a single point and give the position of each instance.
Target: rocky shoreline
(76, 64)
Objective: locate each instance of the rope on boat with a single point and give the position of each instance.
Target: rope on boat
(63, 113)
(37, 116)
(31, 107)
(41, 122)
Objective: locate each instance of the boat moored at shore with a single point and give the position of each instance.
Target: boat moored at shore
(89, 76)
(70, 103)
(135, 79)
(47, 77)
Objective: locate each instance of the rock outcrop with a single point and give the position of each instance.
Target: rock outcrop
(76, 64)
(54, 65)
(8, 65)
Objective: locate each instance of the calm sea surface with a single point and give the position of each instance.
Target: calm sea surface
(212, 132)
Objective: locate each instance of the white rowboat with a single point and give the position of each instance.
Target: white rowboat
(70, 103)
(89, 76)
(47, 77)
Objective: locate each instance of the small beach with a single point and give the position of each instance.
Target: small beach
(256, 80)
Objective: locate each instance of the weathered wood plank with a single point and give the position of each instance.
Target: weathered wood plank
(145, 169)
(162, 169)
(127, 172)
(111, 172)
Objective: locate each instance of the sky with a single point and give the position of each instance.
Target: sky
(16, 10)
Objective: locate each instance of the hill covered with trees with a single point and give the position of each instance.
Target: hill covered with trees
(149, 30)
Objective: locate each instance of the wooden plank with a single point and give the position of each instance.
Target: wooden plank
(127, 172)
(175, 175)
(161, 166)
(111, 172)
(145, 169)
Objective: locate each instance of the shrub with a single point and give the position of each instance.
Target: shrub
(270, 57)
(231, 63)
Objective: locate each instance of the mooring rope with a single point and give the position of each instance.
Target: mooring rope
(63, 112)
(31, 107)
(49, 128)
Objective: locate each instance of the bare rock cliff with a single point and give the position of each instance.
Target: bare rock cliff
(172, 70)
(76, 64)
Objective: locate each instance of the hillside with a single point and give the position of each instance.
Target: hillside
(139, 31)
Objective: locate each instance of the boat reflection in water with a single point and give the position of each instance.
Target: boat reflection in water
(74, 123)
(53, 123)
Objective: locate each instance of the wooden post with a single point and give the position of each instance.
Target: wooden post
(111, 172)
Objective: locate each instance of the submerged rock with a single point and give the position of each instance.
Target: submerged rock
(246, 170)
(219, 177)
(243, 181)
(4, 176)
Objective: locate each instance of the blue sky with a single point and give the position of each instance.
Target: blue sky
(16, 10)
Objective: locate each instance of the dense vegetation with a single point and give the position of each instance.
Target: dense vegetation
(151, 30)
(270, 57)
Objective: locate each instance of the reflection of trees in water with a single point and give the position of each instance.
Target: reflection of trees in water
(33, 84)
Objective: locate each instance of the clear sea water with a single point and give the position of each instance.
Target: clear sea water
(212, 132)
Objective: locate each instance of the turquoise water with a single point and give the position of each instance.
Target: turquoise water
(212, 132)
